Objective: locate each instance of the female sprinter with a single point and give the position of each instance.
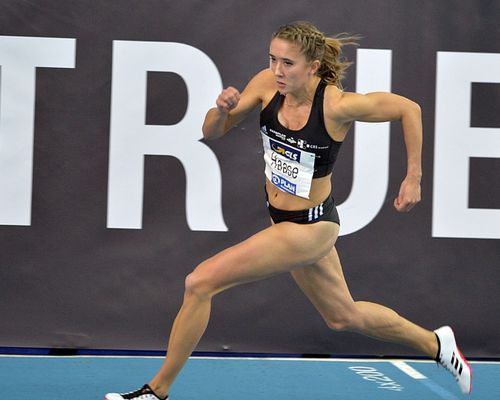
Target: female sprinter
(305, 116)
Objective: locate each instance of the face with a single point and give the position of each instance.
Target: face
(290, 67)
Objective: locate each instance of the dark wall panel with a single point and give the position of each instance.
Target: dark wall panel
(69, 280)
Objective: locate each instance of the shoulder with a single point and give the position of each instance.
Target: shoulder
(265, 73)
(335, 110)
(262, 85)
(263, 81)
(373, 107)
(336, 102)
(265, 77)
(341, 106)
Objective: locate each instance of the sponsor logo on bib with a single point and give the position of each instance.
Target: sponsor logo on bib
(283, 184)
(286, 151)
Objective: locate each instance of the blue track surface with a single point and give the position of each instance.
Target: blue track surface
(79, 378)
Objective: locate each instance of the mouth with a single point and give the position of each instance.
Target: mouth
(280, 84)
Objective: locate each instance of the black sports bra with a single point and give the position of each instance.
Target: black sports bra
(313, 137)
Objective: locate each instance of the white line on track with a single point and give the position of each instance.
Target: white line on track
(408, 370)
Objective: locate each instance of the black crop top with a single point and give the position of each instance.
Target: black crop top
(313, 137)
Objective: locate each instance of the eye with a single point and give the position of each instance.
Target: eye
(289, 63)
(272, 59)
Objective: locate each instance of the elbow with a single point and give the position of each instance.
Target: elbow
(213, 126)
(205, 132)
(411, 112)
(208, 131)
(210, 135)
(205, 129)
(415, 109)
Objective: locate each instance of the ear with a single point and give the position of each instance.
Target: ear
(315, 66)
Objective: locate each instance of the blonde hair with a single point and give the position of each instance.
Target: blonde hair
(316, 46)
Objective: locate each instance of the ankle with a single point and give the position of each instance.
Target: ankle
(159, 390)
(433, 347)
(438, 351)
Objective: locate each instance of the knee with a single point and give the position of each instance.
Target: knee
(342, 322)
(338, 324)
(197, 284)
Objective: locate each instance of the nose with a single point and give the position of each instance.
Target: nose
(278, 69)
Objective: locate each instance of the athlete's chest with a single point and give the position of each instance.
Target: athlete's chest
(312, 136)
(294, 118)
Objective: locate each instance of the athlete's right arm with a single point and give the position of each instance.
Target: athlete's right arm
(233, 107)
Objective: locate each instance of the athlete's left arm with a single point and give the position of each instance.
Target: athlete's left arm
(381, 107)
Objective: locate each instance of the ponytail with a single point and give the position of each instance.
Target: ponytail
(316, 46)
(333, 64)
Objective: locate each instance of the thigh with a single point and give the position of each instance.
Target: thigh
(324, 284)
(277, 249)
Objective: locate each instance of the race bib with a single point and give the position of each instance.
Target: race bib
(288, 168)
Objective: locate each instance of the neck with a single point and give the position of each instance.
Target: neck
(303, 96)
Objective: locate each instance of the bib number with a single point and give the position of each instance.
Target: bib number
(284, 167)
(289, 169)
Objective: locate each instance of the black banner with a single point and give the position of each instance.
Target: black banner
(109, 197)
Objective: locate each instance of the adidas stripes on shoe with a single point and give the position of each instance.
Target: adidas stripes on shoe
(450, 358)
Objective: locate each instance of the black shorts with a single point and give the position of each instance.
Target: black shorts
(325, 211)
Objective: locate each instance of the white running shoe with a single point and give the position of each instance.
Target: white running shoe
(450, 358)
(144, 393)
